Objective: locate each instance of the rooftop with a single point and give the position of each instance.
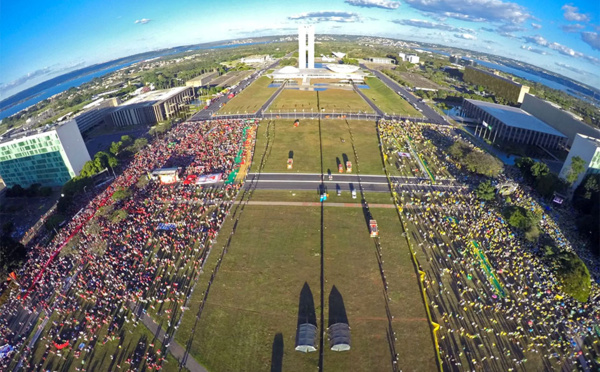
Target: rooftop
(198, 78)
(515, 117)
(19, 133)
(496, 76)
(155, 96)
(593, 140)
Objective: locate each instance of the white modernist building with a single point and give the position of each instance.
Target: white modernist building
(256, 59)
(413, 58)
(402, 56)
(587, 148)
(306, 45)
(306, 63)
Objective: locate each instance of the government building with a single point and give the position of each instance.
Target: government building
(503, 87)
(506, 123)
(50, 156)
(151, 107)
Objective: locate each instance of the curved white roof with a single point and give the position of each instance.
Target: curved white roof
(288, 70)
(346, 69)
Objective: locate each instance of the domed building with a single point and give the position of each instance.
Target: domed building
(306, 69)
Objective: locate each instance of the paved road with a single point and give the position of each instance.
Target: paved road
(364, 97)
(214, 106)
(343, 182)
(431, 114)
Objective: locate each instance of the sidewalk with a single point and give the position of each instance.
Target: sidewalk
(174, 348)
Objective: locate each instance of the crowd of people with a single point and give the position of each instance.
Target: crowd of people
(145, 249)
(412, 152)
(499, 305)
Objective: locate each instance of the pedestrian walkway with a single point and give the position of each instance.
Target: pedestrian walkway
(174, 348)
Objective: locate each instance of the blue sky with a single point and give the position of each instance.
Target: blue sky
(42, 39)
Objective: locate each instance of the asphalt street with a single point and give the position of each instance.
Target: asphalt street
(207, 113)
(343, 182)
(430, 113)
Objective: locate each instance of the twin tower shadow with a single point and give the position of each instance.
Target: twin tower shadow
(307, 315)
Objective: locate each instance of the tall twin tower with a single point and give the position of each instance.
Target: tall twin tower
(306, 44)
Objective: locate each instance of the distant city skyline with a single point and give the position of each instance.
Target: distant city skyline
(57, 38)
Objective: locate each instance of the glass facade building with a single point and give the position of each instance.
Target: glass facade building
(50, 157)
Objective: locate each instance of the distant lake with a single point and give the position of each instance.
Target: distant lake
(516, 72)
(59, 88)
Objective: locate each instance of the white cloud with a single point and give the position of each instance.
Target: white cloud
(25, 78)
(534, 50)
(565, 50)
(466, 36)
(327, 16)
(537, 26)
(143, 21)
(572, 28)
(384, 4)
(571, 13)
(474, 10)
(421, 23)
(592, 39)
(537, 39)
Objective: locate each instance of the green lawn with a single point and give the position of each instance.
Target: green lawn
(330, 100)
(388, 100)
(251, 98)
(256, 292)
(302, 143)
(255, 295)
(351, 266)
(290, 99)
(313, 196)
(339, 100)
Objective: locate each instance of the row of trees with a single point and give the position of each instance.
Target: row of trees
(586, 200)
(12, 253)
(523, 219)
(121, 150)
(396, 77)
(35, 190)
(475, 160)
(538, 175)
(349, 61)
(288, 62)
(570, 270)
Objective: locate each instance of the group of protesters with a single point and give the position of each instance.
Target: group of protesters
(148, 259)
(500, 307)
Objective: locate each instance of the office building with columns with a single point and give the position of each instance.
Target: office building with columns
(510, 124)
(152, 107)
(306, 46)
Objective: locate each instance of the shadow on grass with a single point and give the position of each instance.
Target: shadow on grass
(277, 353)
(337, 309)
(306, 307)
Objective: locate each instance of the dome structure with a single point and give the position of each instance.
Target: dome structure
(343, 69)
(288, 70)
